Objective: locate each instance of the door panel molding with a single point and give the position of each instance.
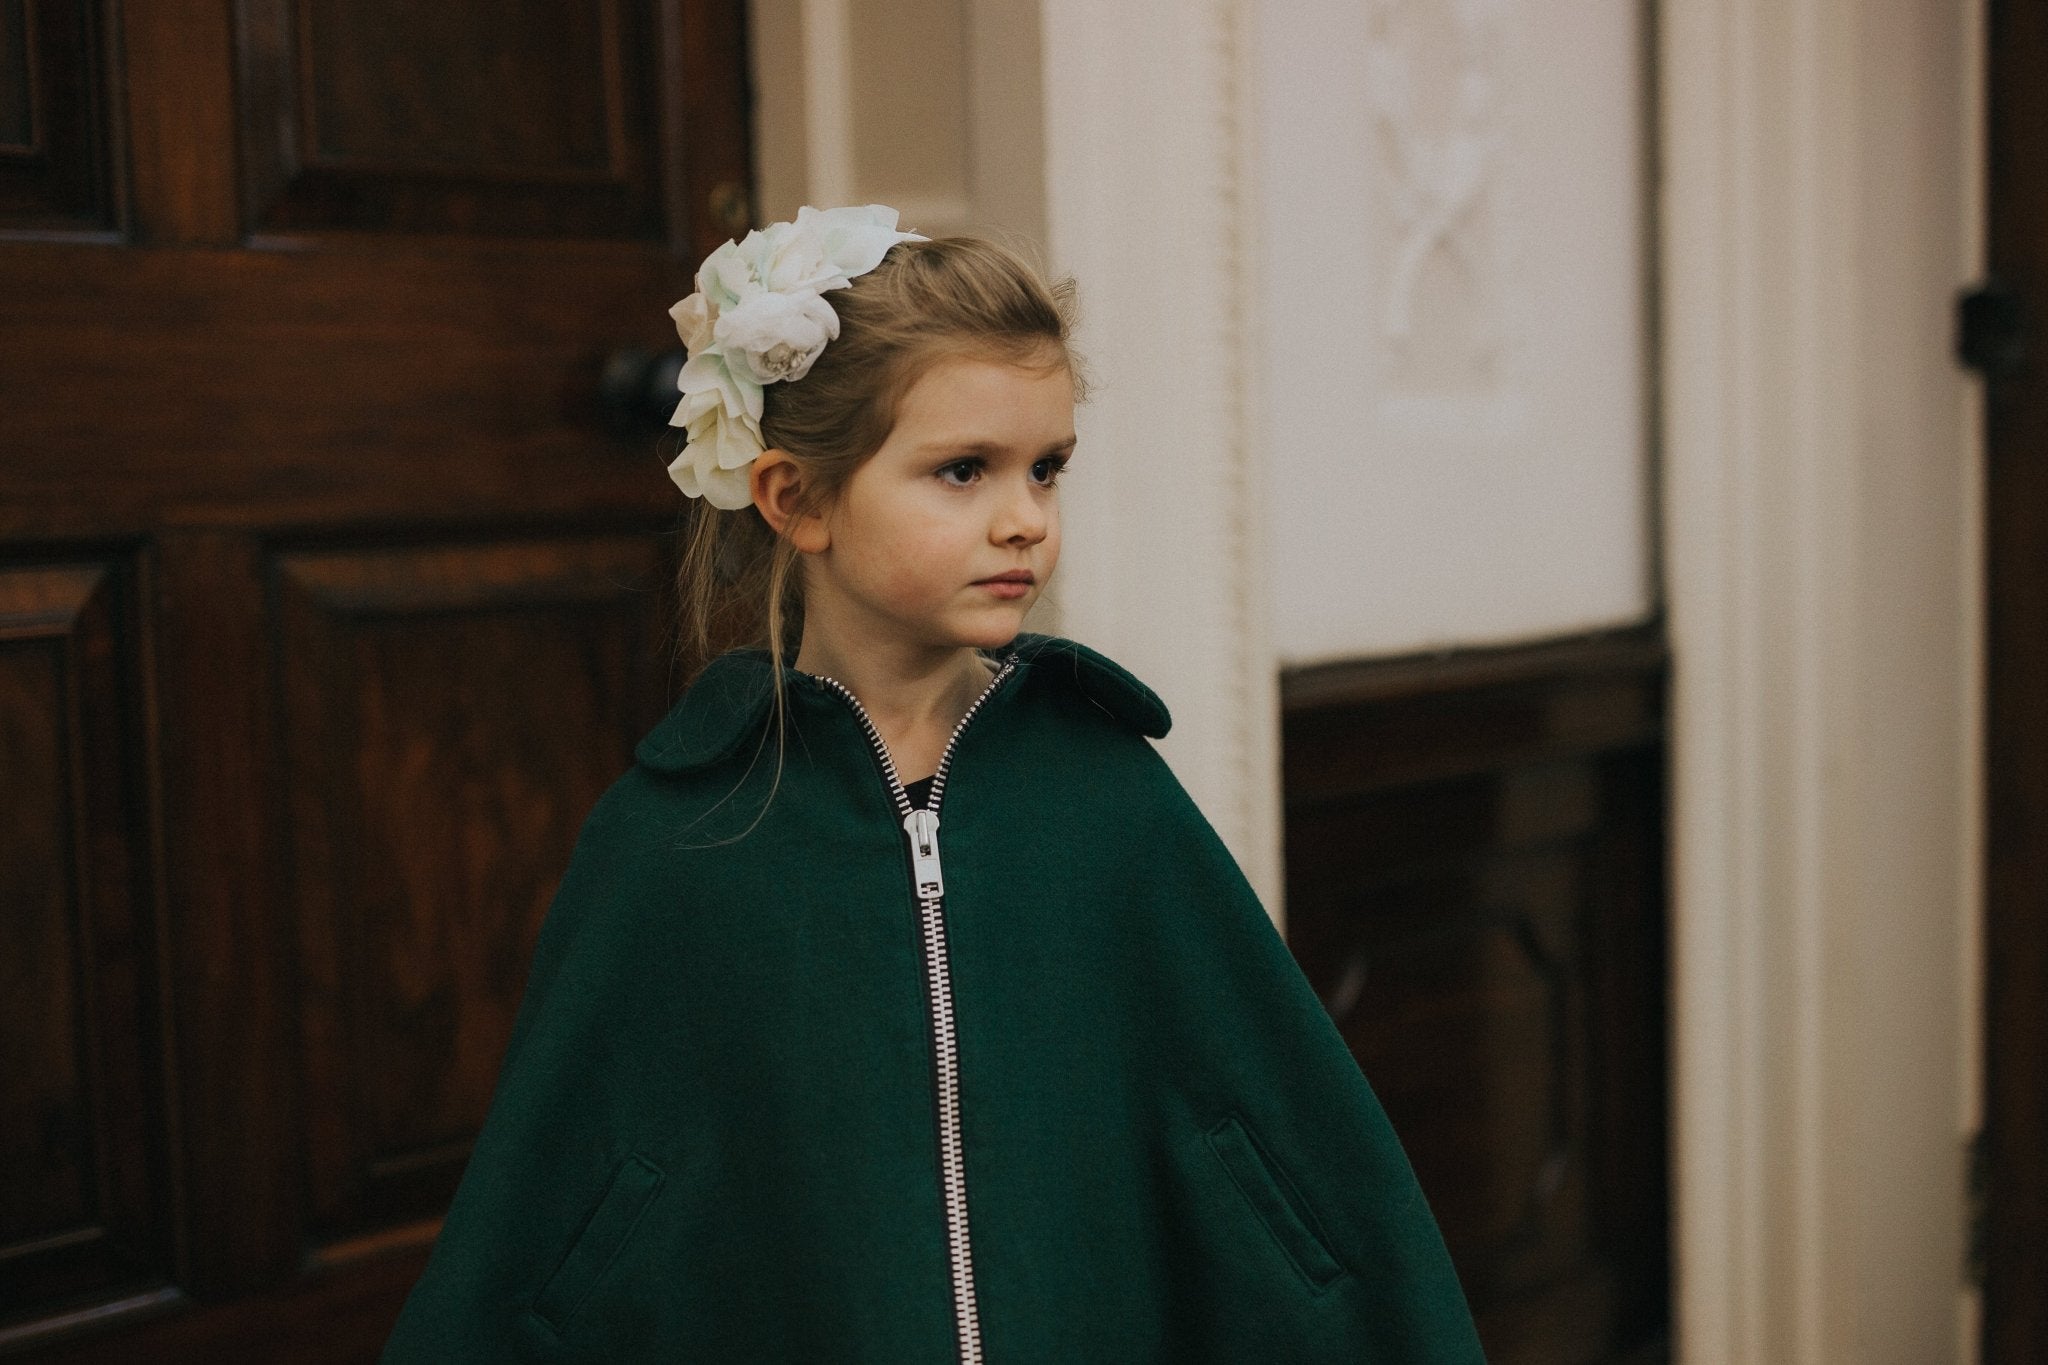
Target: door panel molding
(440, 704)
(449, 118)
(86, 1198)
(59, 128)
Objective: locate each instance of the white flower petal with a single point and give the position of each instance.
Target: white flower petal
(717, 455)
(772, 337)
(736, 444)
(795, 263)
(730, 489)
(694, 320)
(695, 405)
(707, 276)
(725, 277)
(683, 470)
(701, 372)
(855, 238)
(711, 371)
(762, 245)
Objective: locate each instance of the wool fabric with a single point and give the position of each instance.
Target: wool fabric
(715, 1138)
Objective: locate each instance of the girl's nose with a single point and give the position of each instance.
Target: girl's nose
(1023, 516)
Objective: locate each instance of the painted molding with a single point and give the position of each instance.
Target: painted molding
(1436, 178)
(828, 100)
(775, 55)
(1818, 519)
(1150, 203)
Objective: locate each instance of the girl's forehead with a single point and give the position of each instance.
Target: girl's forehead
(973, 392)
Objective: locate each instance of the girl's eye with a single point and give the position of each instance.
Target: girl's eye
(1047, 470)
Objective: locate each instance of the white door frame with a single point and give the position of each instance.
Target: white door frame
(1820, 207)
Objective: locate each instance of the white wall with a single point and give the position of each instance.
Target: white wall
(1453, 275)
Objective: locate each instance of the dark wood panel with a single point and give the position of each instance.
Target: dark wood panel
(2014, 1230)
(335, 1315)
(1440, 715)
(57, 146)
(536, 118)
(17, 81)
(706, 121)
(84, 1193)
(452, 715)
(531, 87)
(1474, 887)
(259, 388)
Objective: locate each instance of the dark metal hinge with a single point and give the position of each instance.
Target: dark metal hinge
(1991, 330)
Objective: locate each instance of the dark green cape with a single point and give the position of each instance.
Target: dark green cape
(714, 1135)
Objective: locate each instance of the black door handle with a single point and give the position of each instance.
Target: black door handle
(637, 390)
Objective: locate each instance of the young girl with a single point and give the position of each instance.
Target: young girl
(803, 1073)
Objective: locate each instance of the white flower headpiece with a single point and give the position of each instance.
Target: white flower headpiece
(758, 317)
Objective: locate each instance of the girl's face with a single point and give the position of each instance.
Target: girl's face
(962, 490)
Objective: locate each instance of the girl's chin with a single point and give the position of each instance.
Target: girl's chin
(991, 633)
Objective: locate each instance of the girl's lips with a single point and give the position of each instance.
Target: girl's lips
(1005, 587)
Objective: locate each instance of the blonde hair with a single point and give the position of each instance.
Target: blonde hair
(738, 580)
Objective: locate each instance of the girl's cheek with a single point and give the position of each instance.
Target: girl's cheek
(904, 577)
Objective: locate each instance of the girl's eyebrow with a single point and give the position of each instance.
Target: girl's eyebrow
(990, 447)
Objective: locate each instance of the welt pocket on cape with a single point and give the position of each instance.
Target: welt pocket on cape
(598, 1242)
(1274, 1198)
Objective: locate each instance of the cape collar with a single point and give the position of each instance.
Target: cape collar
(729, 698)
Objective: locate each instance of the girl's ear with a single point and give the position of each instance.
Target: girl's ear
(777, 485)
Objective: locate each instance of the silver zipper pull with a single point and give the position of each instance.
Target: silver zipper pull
(923, 828)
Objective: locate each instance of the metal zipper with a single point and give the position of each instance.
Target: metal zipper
(921, 828)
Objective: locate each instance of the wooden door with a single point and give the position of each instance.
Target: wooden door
(2014, 1204)
(329, 603)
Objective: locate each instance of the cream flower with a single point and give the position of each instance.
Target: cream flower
(717, 460)
(787, 261)
(709, 372)
(725, 277)
(693, 322)
(770, 337)
(758, 318)
(854, 240)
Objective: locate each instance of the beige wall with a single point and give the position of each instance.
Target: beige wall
(910, 92)
(930, 106)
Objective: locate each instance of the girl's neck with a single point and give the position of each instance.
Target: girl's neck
(905, 692)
